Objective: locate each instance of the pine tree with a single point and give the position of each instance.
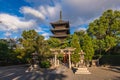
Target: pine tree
(106, 29)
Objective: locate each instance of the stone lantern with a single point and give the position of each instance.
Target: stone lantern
(35, 62)
(82, 69)
(81, 58)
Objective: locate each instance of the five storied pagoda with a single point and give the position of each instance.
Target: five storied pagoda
(60, 28)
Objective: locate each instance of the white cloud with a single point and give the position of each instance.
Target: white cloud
(34, 12)
(39, 29)
(53, 11)
(33, 18)
(14, 23)
(91, 5)
(82, 11)
(81, 28)
(43, 11)
(76, 11)
(42, 2)
(46, 35)
(7, 34)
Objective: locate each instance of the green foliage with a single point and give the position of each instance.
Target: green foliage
(29, 40)
(75, 43)
(86, 44)
(4, 50)
(81, 35)
(68, 40)
(99, 44)
(7, 54)
(60, 56)
(75, 58)
(30, 34)
(88, 47)
(45, 64)
(109, 42)
(20, 55)
(54, 43)
(106, 29)
(107, 24)
(42, 46)
(33, 42)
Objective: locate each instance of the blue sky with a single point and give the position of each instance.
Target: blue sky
(19, 15)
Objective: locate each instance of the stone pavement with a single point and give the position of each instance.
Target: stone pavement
(61, 73)
(99, 73)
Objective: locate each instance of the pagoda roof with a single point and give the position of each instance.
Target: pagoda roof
(62, 29)
(60, 22)
(59, 36)
(57, 30)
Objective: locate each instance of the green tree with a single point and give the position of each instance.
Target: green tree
(81, 35)
(106, 28)
(4, 50)
(75, 44)
(54, 43)
(42, 47)
(75, 58)
(29, 40)
(66, 42)
(33, 42)
(109, 42)
(88, 48)
(86, 44)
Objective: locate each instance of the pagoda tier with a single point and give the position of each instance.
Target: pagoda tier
(61, 37)
(60, 29)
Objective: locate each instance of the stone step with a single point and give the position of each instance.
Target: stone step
(82, 71)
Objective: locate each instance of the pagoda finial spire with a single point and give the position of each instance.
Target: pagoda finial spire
(60, 15)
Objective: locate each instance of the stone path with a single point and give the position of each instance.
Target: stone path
(61, 73)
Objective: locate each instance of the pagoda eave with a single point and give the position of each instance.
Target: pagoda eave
(60, 23)
(65, 29)
(59, 36)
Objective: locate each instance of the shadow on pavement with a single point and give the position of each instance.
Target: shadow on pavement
(113, 68)
(20, 74)
(117, 78)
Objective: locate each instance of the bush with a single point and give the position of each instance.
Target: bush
(45, 64)
(110, 60)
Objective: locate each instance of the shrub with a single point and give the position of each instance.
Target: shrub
(45, 64)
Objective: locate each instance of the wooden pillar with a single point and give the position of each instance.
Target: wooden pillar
(55, 59)
(69, 59)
